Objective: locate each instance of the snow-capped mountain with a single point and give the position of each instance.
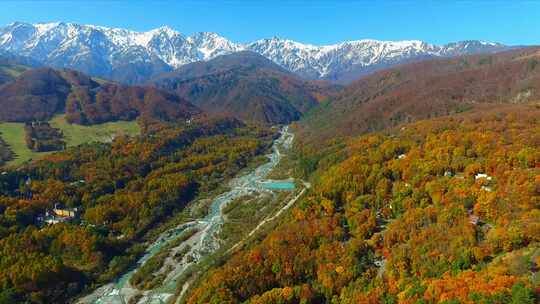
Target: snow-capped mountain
(133, 57)
(349, 60)
(331, 60)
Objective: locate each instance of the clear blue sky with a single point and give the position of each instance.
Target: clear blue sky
(316, 21)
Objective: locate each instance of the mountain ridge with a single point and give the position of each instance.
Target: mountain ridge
(133, 57)
(246, 85)
(38, 94)
(424, 90)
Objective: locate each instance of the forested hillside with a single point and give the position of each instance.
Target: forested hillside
(5, 152)
(441, 211)
(38, 94)
(424, 90)
(113, 195)
(247, 86)
(333, 152)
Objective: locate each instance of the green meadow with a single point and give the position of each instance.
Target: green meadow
(13, 134)
(74, 135)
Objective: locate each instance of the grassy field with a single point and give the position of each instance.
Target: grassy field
(13, 135)
(75, 135)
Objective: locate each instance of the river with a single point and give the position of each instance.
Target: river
(200, 244)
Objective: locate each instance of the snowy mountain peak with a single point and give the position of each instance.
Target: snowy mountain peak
(101, 51)
(166, 30)
(45, 27)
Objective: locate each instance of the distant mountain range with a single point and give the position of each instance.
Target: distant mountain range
(135, 57)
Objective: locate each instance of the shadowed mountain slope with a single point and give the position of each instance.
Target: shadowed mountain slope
(12, 66)
(38, 94)
(246, 85)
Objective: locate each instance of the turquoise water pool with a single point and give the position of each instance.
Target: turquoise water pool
(279, 185)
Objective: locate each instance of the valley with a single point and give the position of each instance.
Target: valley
(152, 166)
(207, 202)
(109, 235)
(198, 239)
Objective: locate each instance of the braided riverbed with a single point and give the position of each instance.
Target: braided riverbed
(200, 244)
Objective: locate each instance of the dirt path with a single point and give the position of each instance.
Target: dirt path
(269, 219)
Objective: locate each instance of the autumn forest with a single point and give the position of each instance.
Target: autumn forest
(240, 175)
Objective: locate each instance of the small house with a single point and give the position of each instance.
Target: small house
(65, 212)
(482, 175)
(59, 214)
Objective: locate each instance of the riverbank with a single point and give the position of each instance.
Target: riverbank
(178, 259)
